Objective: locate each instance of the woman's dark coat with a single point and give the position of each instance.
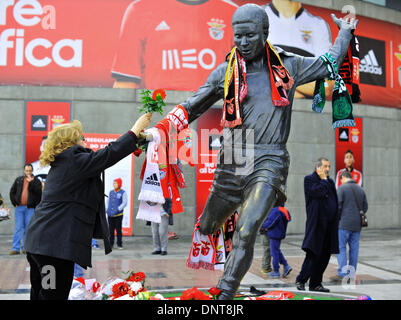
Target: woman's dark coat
(72, 210)
(322, 215)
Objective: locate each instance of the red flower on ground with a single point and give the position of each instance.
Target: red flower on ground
(162, 93)
(120, 289)
(131, 293)
(194, 294)
(136, 277)
(214, 291)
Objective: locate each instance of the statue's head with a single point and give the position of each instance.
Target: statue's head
(251, 29)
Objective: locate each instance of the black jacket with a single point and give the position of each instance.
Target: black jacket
(322, 215)
(72, 210)
(34, 192)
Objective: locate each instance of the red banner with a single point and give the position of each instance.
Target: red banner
(209, 132)
(350, 139)
(173, 44)
(42, 117)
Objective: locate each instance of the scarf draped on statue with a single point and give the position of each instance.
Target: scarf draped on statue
(346, 81)
(151, 195)
(235, 86)
(210, 251)
(168, 169)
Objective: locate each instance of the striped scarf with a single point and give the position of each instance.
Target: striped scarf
(235, 86)
(346, 86)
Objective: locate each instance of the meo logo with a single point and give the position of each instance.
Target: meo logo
(188, 59)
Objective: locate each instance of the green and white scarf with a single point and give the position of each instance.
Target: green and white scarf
(341, 99)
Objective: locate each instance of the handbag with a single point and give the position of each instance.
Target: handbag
(364, 218)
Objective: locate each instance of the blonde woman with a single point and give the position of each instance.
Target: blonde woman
(72, 211)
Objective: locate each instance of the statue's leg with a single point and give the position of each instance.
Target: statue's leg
(260, 198)
(217, 210)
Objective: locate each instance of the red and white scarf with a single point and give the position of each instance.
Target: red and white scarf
(236, 88)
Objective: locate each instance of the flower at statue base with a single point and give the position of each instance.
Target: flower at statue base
(119, 289)
(135, 288)
(153, 102)
(214, 292)
(194, 294)
(136, 277)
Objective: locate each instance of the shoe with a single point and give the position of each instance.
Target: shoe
(255, 291)
(156, 252)
(274, 274)
(300, 286)
(287, 270)
(163, 253)
(13, 252)
(266, 271)
(319, 288)
(120, 248)
(95, 246)
(336, 278)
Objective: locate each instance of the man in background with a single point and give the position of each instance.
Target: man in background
(321, 232)
(25, 195)
(116, 203)
(351, 199)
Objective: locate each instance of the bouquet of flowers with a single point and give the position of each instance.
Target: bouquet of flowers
(153, 102)
(132, 288)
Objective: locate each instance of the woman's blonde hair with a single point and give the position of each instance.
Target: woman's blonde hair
(60, 139)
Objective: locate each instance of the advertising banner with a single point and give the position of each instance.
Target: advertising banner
(350, 139)
(124, 169)
(173, 44)
(42, 117)
(209, 132)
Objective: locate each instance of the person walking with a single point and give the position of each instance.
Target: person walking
(276, 225)
(25, 195)
(72, 210)
(160, 230)
(351, 199)
(321, 232)
(116, 203)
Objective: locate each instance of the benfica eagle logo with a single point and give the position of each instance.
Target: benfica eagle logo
(216, 27)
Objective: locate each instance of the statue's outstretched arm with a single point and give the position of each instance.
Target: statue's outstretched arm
(312, 68)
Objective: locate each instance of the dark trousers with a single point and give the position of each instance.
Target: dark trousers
(51, 278)
(314, 265)
(115, 223)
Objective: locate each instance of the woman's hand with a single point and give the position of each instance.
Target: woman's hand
(141, 123)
